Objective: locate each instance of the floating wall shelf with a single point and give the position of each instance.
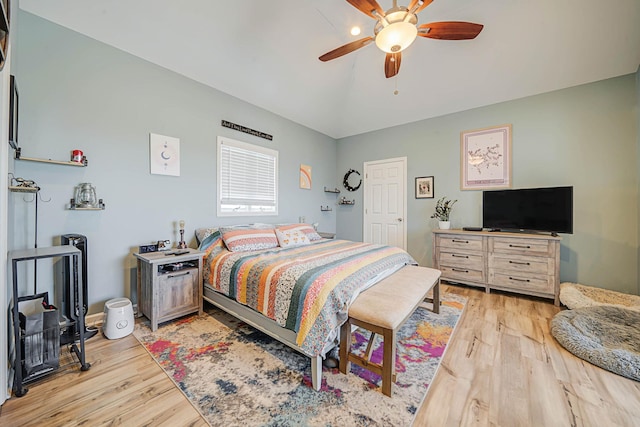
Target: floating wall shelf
(335, 190)
(23, 189)
(325, 208)
(87, 209)
(82, 164)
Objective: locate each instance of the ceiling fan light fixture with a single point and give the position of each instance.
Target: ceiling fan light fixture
(396, 37)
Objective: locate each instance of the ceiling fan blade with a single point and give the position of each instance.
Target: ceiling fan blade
(392, 64)
(347, 48)
(425, 3)
(366, 6)
(450, 30)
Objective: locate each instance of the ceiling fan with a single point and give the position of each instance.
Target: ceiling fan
(397, 28)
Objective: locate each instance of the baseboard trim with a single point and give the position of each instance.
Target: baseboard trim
(94, 319)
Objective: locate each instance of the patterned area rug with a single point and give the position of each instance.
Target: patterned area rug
(235, 374)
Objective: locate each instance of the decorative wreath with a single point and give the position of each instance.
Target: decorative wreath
(345, 182)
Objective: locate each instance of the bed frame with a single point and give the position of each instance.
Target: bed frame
(266, 325)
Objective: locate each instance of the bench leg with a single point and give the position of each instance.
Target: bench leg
(345, 346)
(388, 360)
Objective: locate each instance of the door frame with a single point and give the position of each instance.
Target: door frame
(365, 196)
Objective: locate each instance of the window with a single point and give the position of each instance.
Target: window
(247, 179)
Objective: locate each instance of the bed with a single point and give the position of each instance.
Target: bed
(290, 283)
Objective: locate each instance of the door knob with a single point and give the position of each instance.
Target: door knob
(399, 219)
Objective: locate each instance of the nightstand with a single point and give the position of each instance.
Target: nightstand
(169, 284)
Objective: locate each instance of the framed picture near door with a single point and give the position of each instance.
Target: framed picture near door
(424, 187)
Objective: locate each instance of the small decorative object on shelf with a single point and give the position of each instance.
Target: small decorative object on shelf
(77, 156)
(325, 208)
(182, 244)
(85, 198)
(443, 211)
(329, 190)
(21, 185)
(345, 201)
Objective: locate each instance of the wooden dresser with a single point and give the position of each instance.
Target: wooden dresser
(516, 262)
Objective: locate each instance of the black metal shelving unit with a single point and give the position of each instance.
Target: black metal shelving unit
(71, 254)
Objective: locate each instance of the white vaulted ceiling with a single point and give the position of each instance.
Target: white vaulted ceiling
(266, 52)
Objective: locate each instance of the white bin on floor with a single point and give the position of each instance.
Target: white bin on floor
(118, 318)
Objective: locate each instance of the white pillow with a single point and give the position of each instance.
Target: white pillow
(288, 238)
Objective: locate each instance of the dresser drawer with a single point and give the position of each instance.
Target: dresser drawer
(523, 282)
(461, 259)
(473, 243)
(521, 246)
(521, 264)
(462, 274)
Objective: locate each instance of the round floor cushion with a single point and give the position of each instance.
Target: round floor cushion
(607, 336)
(574, 295)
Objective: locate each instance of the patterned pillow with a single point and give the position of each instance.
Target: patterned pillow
(305, 228)
(212, 243)
(294, 237)
(242, 240)
(203, 233)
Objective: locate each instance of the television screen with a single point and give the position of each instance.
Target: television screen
(529, 209)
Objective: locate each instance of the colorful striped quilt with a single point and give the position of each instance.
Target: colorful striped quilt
(306, 289)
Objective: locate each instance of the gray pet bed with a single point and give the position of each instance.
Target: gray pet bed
(607, 336)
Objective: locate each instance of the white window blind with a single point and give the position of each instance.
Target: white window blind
(247, 179)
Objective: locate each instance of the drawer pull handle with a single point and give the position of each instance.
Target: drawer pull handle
(460, 241)
(186, 273)
(459, 256)
(519, 280)
(460, 271)
(520, 246)
(519, 263)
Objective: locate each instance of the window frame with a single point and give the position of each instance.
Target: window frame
(245, 210)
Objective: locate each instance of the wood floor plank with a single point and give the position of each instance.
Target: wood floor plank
(511, 371)
(502, 368)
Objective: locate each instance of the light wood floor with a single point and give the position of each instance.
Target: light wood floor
(502, 368)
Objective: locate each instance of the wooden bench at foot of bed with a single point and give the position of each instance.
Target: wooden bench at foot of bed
(383, 309)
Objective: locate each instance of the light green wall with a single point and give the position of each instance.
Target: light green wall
(585, 136)
(79, 93)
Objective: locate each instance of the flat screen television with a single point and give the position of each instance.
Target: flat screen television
(529, 209)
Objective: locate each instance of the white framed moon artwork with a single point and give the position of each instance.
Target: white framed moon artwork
(164, 155)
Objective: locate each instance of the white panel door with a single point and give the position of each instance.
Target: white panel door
(385, 202)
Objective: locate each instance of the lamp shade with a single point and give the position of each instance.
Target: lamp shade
(396, 37)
